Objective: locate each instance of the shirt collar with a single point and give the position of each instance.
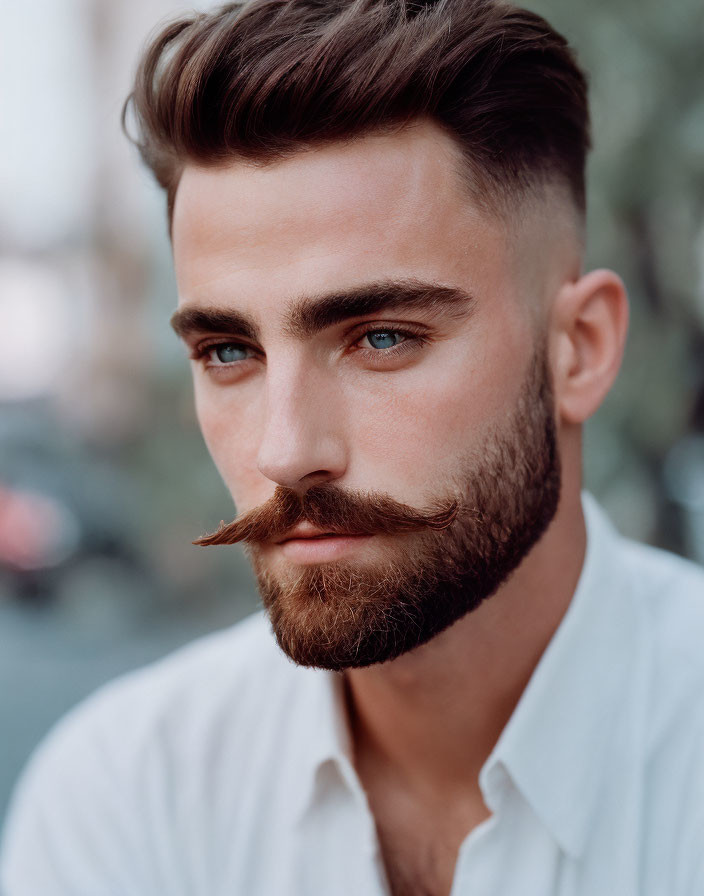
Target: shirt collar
(327, 740)
(555, 745)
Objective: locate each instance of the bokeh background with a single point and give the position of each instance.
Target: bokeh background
(104, 479)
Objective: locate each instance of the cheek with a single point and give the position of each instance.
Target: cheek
(421, 421)
(231, 436)
(424, 419)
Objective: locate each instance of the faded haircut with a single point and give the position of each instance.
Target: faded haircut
(263, 79)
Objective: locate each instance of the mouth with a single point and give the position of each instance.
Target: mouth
(306, 532)
(309, 546)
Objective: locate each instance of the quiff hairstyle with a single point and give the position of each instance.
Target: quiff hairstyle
(263, 79)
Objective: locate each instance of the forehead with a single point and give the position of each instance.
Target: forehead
(382, 207)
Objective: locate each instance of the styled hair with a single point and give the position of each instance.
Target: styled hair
(263, 79)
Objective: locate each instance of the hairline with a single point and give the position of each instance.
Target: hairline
(505, 206)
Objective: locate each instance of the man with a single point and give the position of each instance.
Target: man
(377, 217)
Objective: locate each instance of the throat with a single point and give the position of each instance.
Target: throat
(420, 844)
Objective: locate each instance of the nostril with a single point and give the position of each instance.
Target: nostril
(318, 475)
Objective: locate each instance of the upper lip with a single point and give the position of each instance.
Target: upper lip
(305, 530)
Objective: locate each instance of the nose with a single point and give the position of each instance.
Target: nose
(302, 441)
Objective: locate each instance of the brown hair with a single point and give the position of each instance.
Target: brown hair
(265, 78)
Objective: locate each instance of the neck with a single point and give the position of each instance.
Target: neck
(431, 717)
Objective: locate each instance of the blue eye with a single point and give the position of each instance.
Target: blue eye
(383, 338)
(229, 352)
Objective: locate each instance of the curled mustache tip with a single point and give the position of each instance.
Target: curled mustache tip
(445, 518)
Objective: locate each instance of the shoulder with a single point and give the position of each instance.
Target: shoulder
(659, 619)
(668, 592)
(211, 669)
(668, 582)
(668, 595)
(221, 679)
(663, 598)
(145, 761)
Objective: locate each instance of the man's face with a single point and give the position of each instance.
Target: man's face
(364, 335)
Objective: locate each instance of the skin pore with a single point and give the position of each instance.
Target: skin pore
(337, 404)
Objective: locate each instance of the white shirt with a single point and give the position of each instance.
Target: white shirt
(225, 770)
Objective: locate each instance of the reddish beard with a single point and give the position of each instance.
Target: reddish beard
(449, 557)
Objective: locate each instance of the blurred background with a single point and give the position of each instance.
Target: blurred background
(104, 479)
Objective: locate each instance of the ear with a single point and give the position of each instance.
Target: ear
(589, 322)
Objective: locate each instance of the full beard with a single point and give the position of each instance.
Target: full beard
(351, 614)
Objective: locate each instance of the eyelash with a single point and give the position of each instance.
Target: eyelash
(202, 350)
(411, 339)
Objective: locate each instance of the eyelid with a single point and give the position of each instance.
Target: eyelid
(389, 358)
(373, 326)
(200, 349)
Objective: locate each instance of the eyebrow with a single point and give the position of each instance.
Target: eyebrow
(308, 316)
(188, 321)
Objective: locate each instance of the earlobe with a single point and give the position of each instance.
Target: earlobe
(589, 327)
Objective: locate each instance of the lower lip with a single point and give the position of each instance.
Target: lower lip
(321, 550)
